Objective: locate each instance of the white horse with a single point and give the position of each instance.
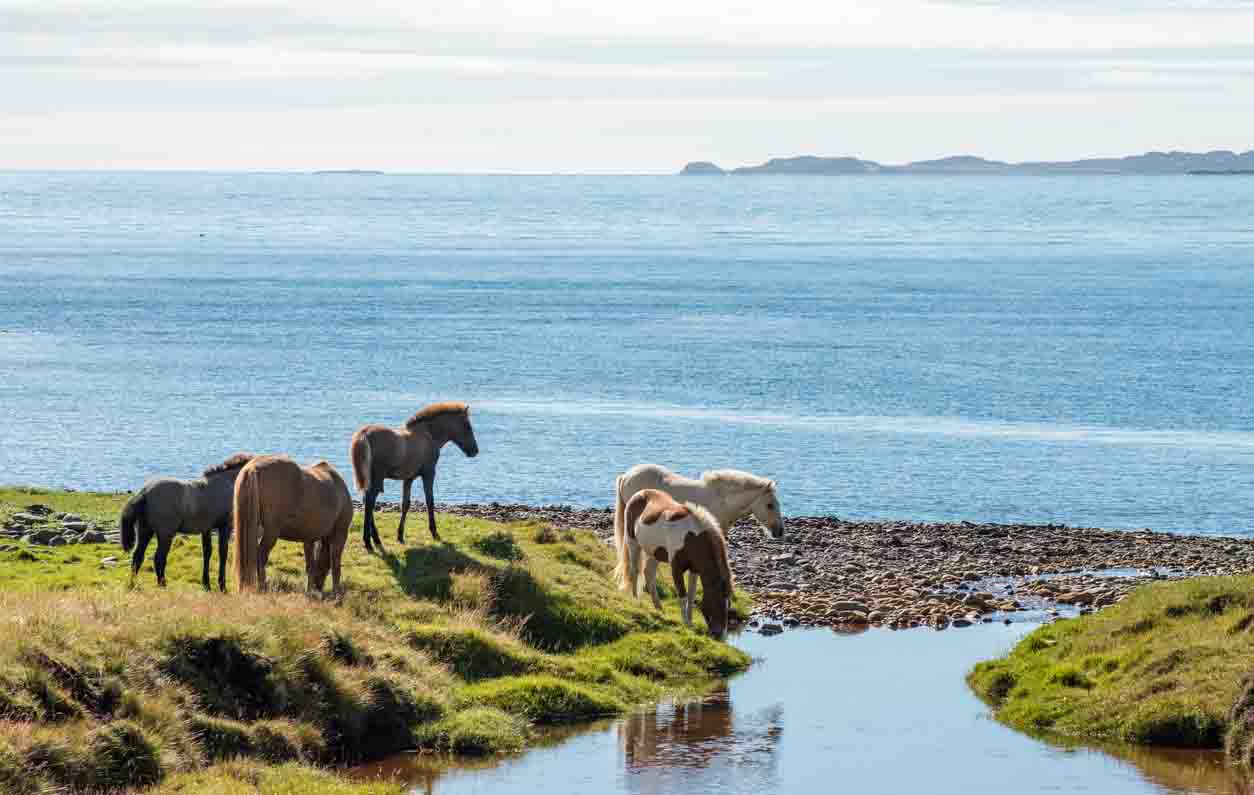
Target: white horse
(727, 494)
(660, 529)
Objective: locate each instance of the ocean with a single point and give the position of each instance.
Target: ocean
(1046, 349)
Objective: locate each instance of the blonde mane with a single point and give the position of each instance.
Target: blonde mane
(736, 479)
(437, 410)
(234, 462)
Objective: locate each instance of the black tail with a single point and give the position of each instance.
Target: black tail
(131, 515)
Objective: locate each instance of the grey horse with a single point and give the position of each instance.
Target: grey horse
(406, 453)
(165, 506)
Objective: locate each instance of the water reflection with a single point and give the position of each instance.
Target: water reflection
(659, 746)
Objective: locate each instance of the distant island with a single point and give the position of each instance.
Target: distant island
(1151, 163)
(351, 172)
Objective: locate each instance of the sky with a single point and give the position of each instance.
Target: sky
(548, 86)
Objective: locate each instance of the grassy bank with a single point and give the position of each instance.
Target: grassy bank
(461, 647)
(1163, 667)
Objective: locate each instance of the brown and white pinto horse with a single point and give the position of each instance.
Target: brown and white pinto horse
(659, 529)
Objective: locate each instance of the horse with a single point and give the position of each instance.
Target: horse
(381, 453)
(277, 498)
(165, 506)
(660, 529)
(728, 494)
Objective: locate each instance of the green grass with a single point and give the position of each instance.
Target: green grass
(459, 647)
(1163, 667)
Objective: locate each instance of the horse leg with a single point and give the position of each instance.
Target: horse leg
(141, 548)
(369, 530)
(333, 552)
(163, 550)
(224, 534)
(650, 580)
(206, 548)
(322, 564)
(311, 565)
(428, 488)
(633, 566)
(400, 529)
(678, 577)
(263, 557)
(691, 598)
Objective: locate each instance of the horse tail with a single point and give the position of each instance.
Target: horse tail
(631, 515)
(132, 514)
(359, 450)
(619, 548)
(247, 515)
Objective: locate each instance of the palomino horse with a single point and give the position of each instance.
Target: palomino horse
(165, 506)
(660, 529)
(381, 453)
(726, 493)
(277, 498)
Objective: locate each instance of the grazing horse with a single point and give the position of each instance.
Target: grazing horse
(165, 506)
(381, 453)
(728, 494)
(277, 498)
(659, 529)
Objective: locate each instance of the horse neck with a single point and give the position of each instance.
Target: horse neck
(700, 493)
(727, 504)
(218, 484)
(427, 437)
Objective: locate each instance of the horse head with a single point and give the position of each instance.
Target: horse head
(462, 434)
(765, 508)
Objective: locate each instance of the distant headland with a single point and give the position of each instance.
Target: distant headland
(351, 172)
(1216, 162)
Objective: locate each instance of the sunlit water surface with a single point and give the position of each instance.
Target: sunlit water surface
(1049, 349)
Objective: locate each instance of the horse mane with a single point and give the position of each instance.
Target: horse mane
(436, 410)
(234, 462)
(734, 477)
(718, 543)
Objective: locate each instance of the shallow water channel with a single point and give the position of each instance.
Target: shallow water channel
(875, 712)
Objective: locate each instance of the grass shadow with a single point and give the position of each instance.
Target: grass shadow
(427, 572)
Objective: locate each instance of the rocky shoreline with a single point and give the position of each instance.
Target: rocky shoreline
(852, 574)
(902, 574)
(40, 525)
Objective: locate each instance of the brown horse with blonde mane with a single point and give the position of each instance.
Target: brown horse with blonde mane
(660, 529)
(411, 451)
(277, 498)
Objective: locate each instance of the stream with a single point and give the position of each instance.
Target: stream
(874, 712)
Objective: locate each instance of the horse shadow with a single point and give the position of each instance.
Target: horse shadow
(426, 572)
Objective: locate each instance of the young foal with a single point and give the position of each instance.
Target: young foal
(659, 529)
(165, 506)
(277, 498)
(381, 453)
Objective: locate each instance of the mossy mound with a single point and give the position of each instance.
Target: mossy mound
(1164, 667)
(458, 647)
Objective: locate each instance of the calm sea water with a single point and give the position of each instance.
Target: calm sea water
(1050, 349)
